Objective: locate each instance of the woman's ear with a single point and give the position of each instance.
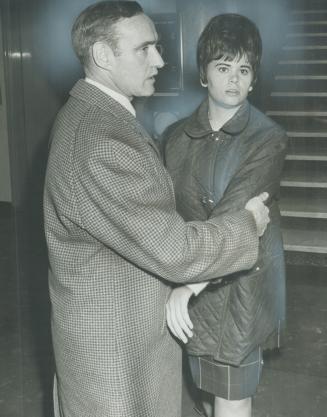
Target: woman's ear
(203, 78)
(203, 83)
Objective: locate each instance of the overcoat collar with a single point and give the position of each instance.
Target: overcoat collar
(95, 97)
(198, 125)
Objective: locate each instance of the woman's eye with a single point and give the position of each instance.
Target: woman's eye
(222, 69)
(244, 71)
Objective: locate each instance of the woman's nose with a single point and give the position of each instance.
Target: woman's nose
(233, 76)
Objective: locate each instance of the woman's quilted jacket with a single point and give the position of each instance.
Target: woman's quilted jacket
(218, 172)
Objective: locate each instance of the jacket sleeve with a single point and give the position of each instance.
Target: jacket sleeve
(126, 202)
(260, 171)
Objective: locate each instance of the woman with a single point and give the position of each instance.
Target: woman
(223, 154)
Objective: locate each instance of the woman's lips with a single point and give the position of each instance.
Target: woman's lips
(232, 92)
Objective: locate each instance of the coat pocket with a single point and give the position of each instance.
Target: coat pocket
(251, 314)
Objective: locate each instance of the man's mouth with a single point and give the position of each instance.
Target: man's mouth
(152, 78)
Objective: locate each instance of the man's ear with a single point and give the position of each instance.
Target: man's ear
(102, 54)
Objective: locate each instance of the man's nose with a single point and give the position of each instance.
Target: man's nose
(157, 60)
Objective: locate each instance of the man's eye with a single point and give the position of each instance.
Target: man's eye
(145, 48)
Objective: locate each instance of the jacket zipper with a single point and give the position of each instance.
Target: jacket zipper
(212, 170)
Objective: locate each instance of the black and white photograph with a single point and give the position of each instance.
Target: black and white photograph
(163, 208)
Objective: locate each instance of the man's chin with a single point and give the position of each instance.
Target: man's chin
(147, 92)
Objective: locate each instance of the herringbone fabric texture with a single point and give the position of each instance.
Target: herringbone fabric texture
(115, 240)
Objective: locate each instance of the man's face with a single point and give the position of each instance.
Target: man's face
(229, 81)
(137, 60)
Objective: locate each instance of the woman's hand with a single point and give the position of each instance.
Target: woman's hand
(178, 319)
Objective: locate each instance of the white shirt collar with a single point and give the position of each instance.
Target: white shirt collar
(113, 94)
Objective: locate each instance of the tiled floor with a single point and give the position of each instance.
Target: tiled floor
(294, 383)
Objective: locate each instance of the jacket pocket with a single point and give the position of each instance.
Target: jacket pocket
(250, 318)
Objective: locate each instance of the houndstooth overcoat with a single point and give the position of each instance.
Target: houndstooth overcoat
(115, 242)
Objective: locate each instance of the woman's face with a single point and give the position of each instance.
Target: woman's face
(229, 82)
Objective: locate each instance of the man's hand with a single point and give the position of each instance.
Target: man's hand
(178, 319)
(260, 212)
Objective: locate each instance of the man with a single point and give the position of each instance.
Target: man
(115, 240)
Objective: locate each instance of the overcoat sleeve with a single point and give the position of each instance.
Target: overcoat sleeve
(125, 199)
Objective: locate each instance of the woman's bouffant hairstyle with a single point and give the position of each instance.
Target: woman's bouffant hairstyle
(96, 23)
(229, 35)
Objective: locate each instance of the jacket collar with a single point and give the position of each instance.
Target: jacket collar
(198, 124)
(95, 97)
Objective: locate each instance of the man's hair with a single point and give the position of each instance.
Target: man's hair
(229, 36)
(96, 23)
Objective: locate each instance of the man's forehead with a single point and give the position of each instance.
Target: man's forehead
(137, 29)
